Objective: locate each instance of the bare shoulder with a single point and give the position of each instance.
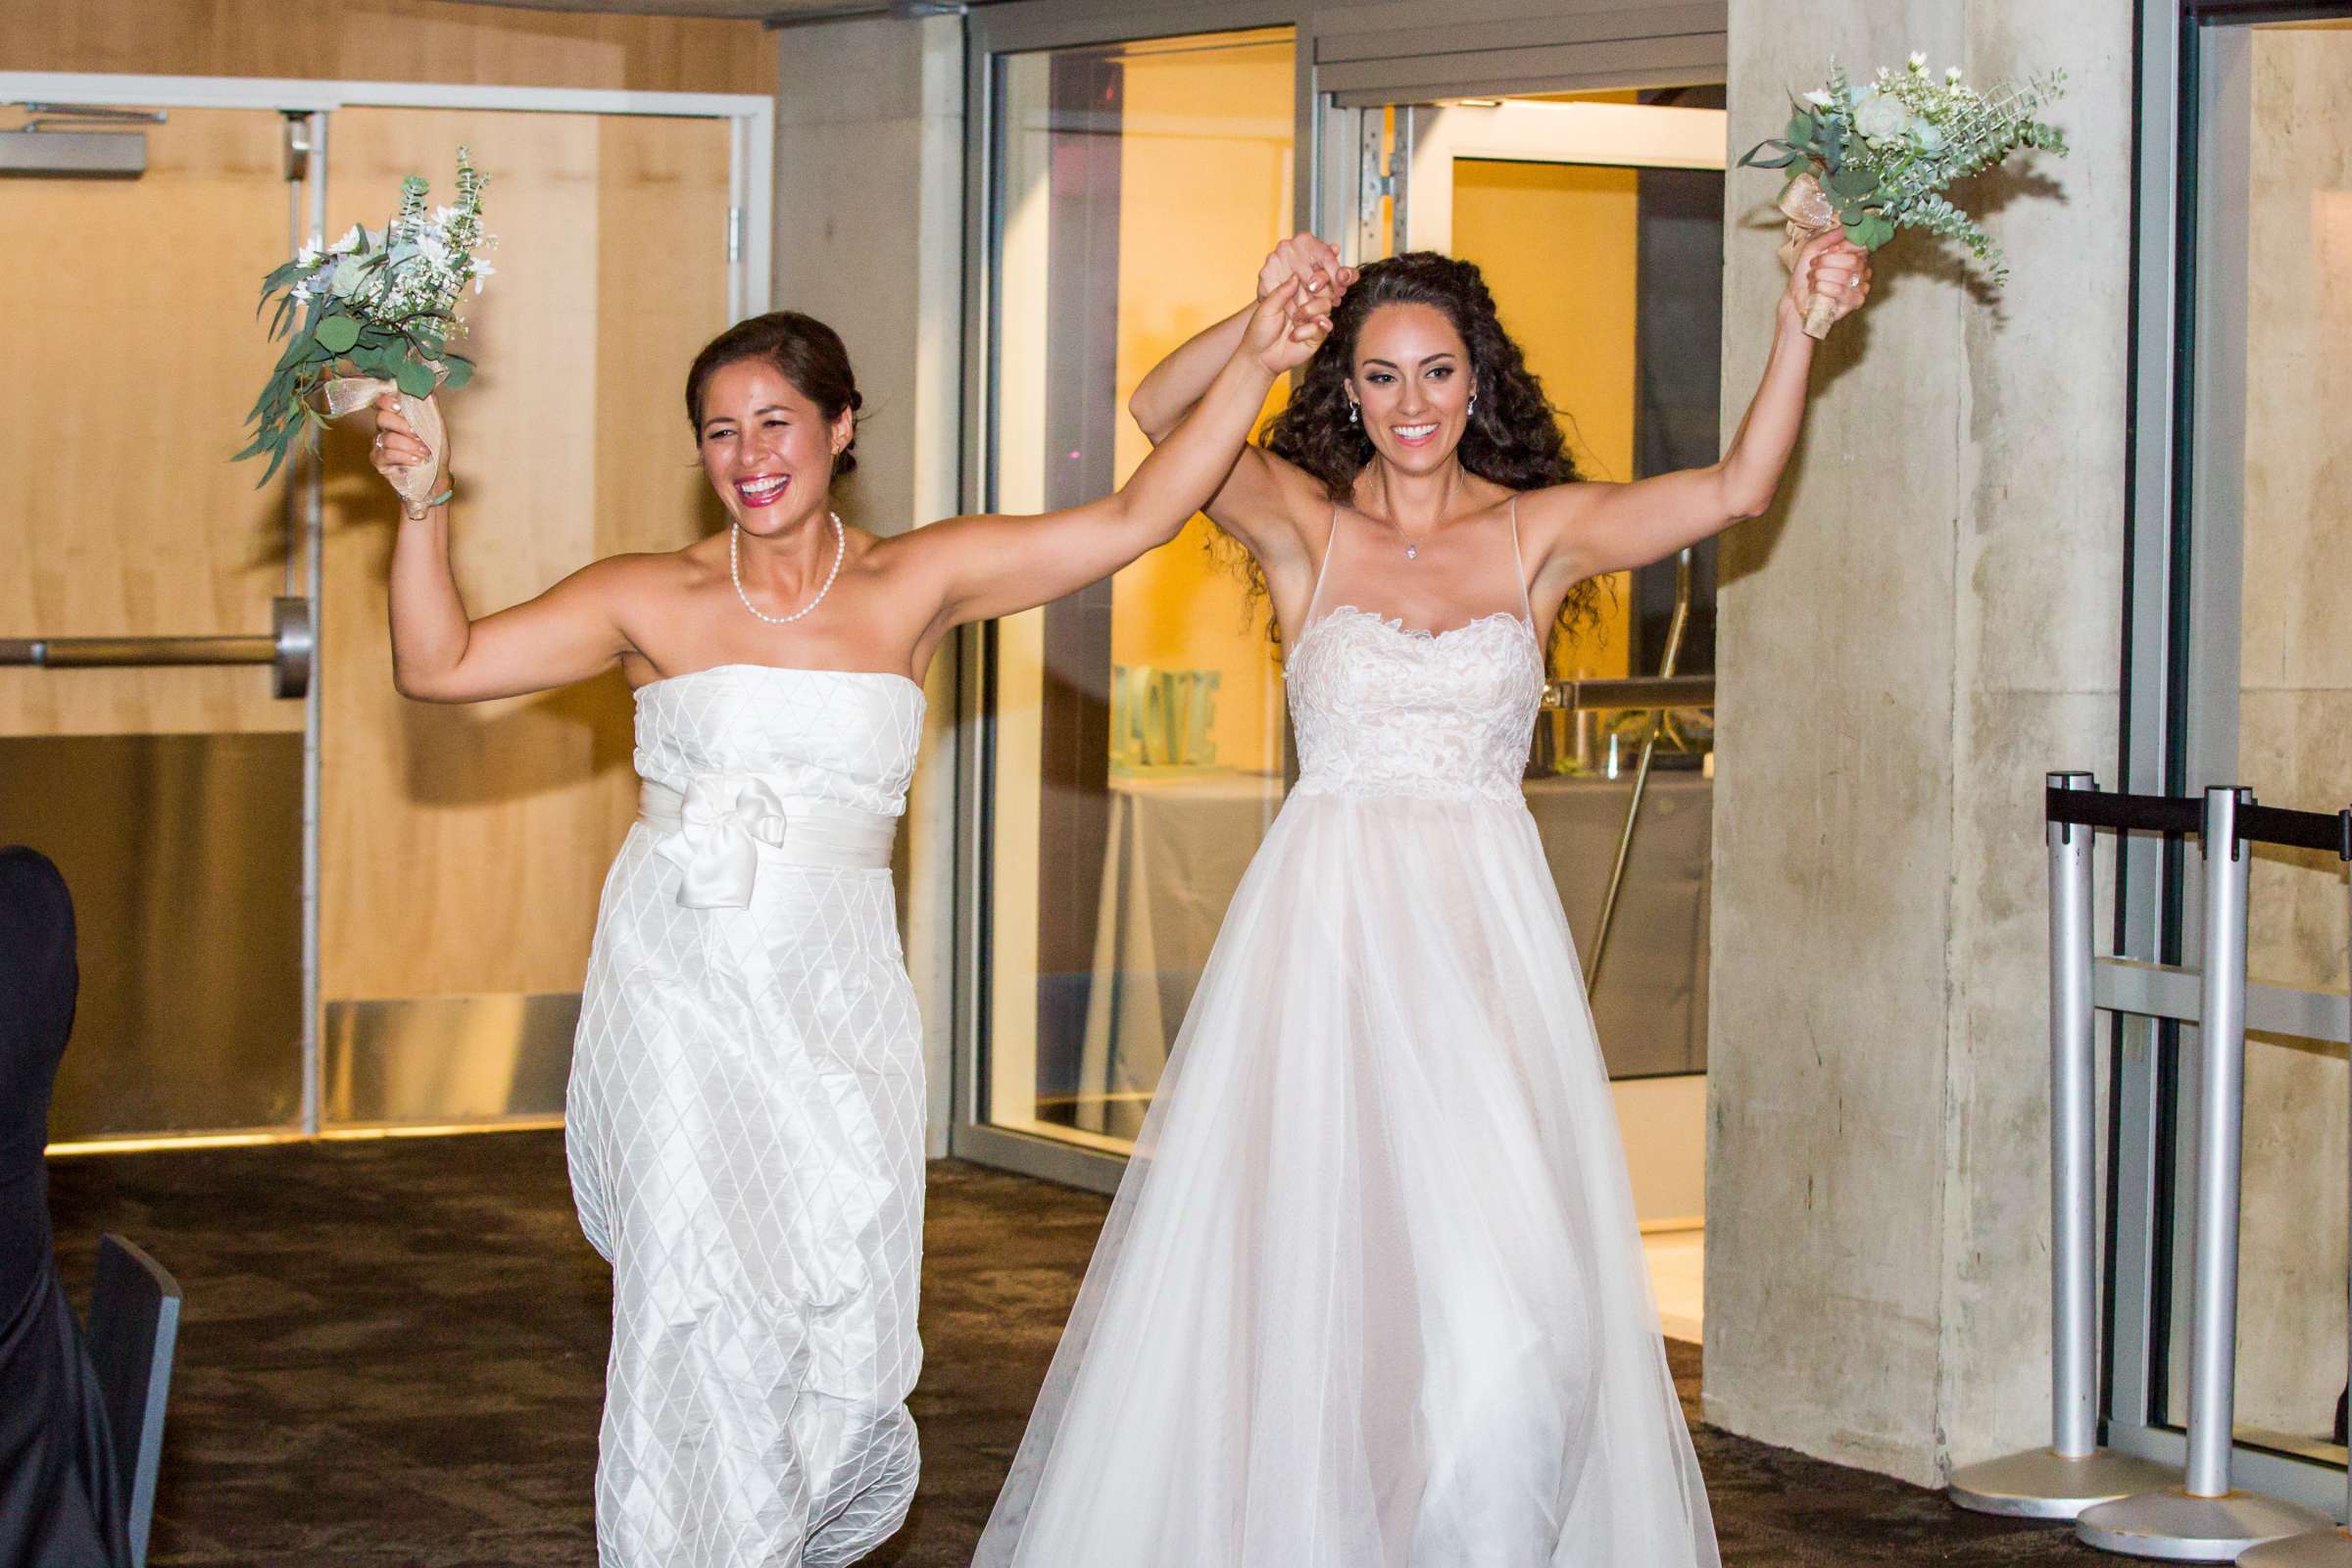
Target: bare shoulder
(637, 573)
(1282, 513)
(915, 554)
(1303, 498)
(1553, 507)
(1551, 521)
(914, 572)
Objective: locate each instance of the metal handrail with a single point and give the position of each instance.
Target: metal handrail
(1631, 692)
(288, 648)
(1649, 745)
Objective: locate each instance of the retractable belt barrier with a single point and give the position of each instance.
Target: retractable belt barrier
(2120, 1502)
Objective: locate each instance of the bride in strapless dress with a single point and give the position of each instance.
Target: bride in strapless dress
(745, 1125)
(1372, 1295)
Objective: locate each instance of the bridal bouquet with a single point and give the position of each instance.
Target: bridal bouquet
(1877, 157)
(373, 313)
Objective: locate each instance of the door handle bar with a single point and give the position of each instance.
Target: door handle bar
(289, 649)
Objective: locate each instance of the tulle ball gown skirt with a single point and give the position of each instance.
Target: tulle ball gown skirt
(1372, 1292)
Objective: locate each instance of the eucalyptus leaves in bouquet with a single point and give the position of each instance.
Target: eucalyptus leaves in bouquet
(373, 312)
(1877, 157)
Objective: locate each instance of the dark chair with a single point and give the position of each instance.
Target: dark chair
(134, 1326)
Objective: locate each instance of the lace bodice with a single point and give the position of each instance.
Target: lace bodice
(1378, 709)
(848, 736)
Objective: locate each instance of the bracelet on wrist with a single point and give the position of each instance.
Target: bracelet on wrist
(425, 512)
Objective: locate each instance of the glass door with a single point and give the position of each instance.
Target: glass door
(2238, 672)
(1597, 221)
(1134, 738)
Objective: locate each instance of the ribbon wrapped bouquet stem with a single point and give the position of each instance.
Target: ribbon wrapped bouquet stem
(1810, 214)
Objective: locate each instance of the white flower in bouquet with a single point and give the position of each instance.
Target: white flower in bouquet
(1880, 118)
(379, 303)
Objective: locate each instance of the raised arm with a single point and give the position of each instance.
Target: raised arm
(985, 566)
(1262, 497)
(1589, 529)
(1168, 391)
(442, 654)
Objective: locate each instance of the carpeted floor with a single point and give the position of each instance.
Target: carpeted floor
(393, 1354)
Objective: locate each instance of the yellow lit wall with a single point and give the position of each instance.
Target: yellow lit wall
(1557, 245)
(1206, 192)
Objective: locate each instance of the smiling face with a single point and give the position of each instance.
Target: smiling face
(1412, 385)
(767, 448)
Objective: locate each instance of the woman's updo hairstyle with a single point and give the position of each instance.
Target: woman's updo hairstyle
(804, 350)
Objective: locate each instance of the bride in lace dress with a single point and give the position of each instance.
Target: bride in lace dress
(745, 1125)
(1371, 1295)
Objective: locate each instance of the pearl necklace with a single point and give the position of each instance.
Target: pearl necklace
(841, 544)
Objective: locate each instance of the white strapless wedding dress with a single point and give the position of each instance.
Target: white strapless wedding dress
(1372, 1295)
(746, 1127)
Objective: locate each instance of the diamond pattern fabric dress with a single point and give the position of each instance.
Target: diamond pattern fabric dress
(1372, 1294)
(744, 1127)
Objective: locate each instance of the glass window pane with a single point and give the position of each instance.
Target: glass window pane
(2268, 693)
(2292, 107)
(1138, 735)
(1610, 279)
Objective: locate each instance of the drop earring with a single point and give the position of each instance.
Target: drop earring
(1354, 417)
(1471, 410)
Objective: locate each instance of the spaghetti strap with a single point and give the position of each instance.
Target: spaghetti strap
(1527, 604)
(1330, 546)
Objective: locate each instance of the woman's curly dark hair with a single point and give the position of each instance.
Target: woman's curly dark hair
(1511, 439)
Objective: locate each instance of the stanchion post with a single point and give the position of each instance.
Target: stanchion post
(2074, 1324)
(2203, 1521)
(2221, 1144)
(2074, 1472)
(2327, 1547)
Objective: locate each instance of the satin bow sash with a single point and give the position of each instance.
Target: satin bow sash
(715, 832)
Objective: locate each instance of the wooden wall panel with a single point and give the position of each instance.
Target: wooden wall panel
(665, 185)
(388, 41)
(464, 846)
(131, 353)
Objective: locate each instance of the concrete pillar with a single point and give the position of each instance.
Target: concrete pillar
(1927, 621)
(869, 238)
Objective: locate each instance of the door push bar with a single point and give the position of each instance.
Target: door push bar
(289, 648)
